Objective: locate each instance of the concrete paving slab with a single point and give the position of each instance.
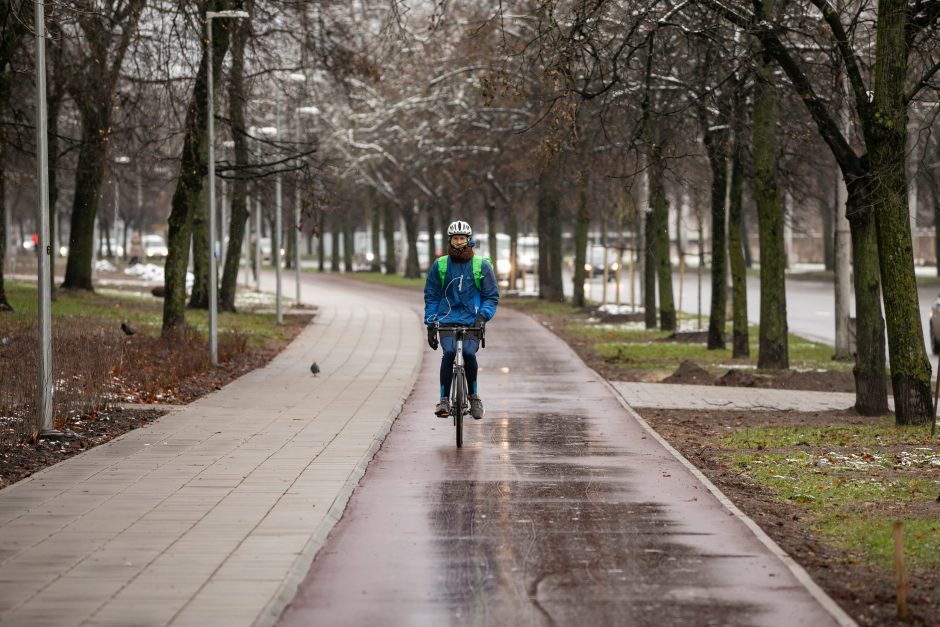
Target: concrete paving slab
(212, 512)
(677, 396)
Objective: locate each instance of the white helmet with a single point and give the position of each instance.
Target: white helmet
(459, 228)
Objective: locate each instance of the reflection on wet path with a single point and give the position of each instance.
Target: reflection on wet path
(559, 510)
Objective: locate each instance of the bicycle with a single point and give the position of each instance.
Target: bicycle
(459, 396)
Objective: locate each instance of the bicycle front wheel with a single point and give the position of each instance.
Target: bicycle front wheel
(460, 405)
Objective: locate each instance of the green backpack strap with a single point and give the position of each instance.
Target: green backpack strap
(477, 269)
(442, 268)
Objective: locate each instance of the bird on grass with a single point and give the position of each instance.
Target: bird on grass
(314, 368)
(127, 329)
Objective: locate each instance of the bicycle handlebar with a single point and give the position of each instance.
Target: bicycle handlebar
(480, 329)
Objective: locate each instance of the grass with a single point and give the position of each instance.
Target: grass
(631, 345)
(853, 496)
(393, 280)
(141, 311)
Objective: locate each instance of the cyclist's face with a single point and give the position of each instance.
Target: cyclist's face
(458, 241)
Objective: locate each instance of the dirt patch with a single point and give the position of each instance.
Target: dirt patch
(823, 381)
(865, 592)
(690, 374)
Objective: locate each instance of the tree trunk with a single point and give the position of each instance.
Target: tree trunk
(432, 249)
(740, 342)
(410, 218)
(239, 217)
(659, 222)
(871, 390)
(829, 216)
(388, 225)
(4, 303)
(348, 245)
(718, 161)
(773, 350)
(886, 139)
(491, 230)
(549, 231)
(190, 188)
(89, 171)
(649, 271)
(376, 263)
(199, 297)
(336, 231)
(321, 241)
(582, 224)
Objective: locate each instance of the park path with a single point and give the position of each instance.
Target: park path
(561, 509)
(211, 515)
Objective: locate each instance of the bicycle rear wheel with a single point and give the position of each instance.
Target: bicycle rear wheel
(460, 404)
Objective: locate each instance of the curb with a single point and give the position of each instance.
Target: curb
(287, 590)
(837, 613)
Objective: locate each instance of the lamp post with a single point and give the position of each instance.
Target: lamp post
(213, 278)
(45, 282)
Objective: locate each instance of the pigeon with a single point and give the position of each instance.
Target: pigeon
(314, 368)
(127, 329)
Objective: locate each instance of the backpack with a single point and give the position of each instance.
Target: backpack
(477, 269)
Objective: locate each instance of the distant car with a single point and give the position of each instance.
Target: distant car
(594, 262)
(154, 246)
(935, 327)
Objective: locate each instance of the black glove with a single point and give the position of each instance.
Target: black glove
(479, 322)
(432, 338)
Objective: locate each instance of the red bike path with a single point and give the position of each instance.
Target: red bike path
(561, 509)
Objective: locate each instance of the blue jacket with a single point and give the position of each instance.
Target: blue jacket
(460, 301)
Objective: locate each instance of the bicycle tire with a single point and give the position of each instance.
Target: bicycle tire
(460, 405)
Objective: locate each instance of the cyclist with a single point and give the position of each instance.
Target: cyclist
(460, 290)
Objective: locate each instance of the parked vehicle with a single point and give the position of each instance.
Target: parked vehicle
(935, 327)
(594, 262)
(154, 246)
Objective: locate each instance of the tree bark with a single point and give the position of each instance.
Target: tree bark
(715, 147)
(659, 222)
(582, 225)
(239, 217)
(348, 245)
(886, 139)
(190, 188)
(336, 230)
(549, 210)
(649, 272)
(410, 218)
(740, 341)
(4, 302)
(773, 349)
(376, 264)
(388, 225)
(871, 391)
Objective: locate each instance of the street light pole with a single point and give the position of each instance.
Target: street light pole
(45, 281)
(276, 236)
(213, 278)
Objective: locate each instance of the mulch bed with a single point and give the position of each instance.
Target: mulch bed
(19, 460)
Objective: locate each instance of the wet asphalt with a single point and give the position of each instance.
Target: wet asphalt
(559, 510)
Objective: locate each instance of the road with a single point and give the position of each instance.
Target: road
(810, 303)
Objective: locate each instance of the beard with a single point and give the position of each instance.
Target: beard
(460, 254)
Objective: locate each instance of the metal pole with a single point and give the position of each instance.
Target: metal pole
(114, 230)
(296, 227)
(213, 331)
(276, 236)
(45, 286)
(257, 240)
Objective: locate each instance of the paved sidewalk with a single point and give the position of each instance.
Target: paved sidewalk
(675, 396)
(211, 515)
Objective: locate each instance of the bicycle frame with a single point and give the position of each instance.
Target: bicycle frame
(459, 392)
